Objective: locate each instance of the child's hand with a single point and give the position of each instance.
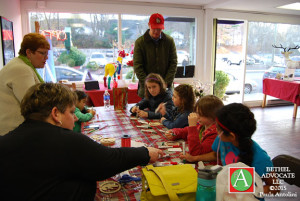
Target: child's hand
(162, 119)
(93, 112)
(187, 157)
(161, 109)
(170, 135)
(142, 114)
(193, 119)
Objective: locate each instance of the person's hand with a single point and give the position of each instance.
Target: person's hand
(134, 109)
(187, 157)
(93, 112)
(154, 154)
(161, 109)
(162, 119)
(142, 114)
(193, 119)
(169, 135)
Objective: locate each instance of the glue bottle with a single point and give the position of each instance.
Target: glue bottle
(106, 99)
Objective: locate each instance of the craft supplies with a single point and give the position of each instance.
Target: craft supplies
(109, 187)
(160, 164)
(108, 141)
(126, 141)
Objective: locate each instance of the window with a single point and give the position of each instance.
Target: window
(96, 35)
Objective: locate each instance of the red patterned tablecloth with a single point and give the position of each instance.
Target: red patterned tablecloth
(96, 96)
(285, 90)
(115, 124)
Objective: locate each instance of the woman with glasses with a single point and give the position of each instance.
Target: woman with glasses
(18, 76)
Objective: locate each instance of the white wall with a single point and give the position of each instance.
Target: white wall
(10, 9)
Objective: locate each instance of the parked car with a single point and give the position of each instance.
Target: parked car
(68, 73)
(272, 72)
(234, 85)
(182, 58)
(234, 59)
(109, 53)
(250, 61)
(99, 58)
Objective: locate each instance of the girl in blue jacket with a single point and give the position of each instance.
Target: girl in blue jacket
(184, 101)
(155, 93)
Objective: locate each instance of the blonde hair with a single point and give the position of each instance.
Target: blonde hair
(187, 97)
(154, 78)
(33, 41)
(41, 98)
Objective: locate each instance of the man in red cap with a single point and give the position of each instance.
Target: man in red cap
(155, 52)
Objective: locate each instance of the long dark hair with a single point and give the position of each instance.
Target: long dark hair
(187, 96)
(238, 119)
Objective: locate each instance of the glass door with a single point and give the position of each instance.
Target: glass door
(230, 58)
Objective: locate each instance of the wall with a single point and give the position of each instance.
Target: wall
(11, 10)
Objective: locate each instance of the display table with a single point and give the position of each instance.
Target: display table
(114, 124)
(96, 96)
(285, 90)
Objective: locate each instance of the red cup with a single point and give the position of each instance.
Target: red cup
(126, 141)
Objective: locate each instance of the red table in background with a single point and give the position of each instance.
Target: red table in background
(285, 90)
(96, 96)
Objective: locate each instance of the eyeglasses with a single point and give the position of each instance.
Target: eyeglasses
(42, 53)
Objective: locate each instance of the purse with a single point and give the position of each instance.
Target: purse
(175, 183)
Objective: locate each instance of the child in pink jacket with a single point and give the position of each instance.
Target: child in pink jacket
(202, 131)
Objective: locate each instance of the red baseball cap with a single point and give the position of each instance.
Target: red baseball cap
(157, 21)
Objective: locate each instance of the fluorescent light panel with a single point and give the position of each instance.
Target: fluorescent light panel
(293, 6)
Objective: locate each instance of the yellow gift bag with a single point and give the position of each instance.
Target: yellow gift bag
(174, 183)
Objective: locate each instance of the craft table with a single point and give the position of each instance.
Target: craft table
(96, 96)
(115, 124)
(285, 90)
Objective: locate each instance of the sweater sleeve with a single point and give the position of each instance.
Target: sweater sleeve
(179, 122)
(172, 64)
(138, 61)
(100, 162)
(180, 133)
(83, 117)
(23, 79)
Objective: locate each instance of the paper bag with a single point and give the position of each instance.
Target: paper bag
(120, 96)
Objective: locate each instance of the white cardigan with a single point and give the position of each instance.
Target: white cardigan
(15, 79)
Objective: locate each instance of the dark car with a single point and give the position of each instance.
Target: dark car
(272, 72)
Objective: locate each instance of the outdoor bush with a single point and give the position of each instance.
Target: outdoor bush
(129, 74)
(76, 55)
(222, 81)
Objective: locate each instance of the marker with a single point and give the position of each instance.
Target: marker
(183, 150)
(168, 146)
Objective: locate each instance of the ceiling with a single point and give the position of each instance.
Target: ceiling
(253, 6)
(257, 6)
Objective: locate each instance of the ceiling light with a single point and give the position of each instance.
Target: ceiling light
(293, 6)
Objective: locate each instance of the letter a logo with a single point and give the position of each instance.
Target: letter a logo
(241, 180)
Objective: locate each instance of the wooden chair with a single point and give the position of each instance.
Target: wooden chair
(292, 163)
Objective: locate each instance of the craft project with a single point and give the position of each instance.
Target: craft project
(108, 141)
(110, 187)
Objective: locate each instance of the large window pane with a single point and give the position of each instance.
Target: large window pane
(263, 60)
(94, 39)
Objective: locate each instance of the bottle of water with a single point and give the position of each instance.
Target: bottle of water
(206, 188)
(106, 99)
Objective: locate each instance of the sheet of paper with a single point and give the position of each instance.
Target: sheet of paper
(174, 149)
